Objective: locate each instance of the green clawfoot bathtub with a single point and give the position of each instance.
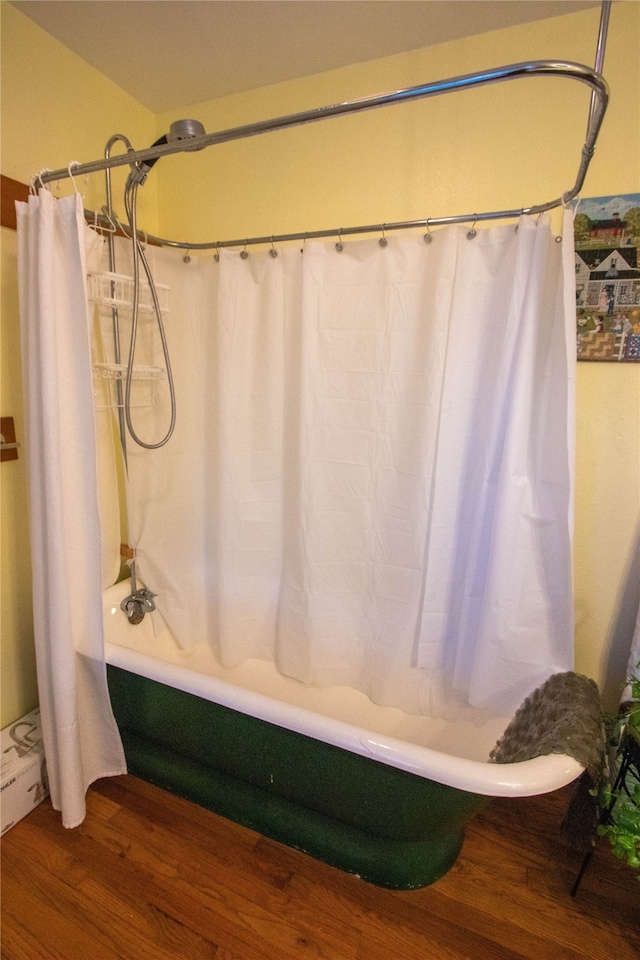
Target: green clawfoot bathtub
(365, 788)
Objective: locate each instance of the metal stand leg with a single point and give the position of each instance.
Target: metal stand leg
(626, 764)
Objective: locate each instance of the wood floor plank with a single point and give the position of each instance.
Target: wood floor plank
(261, 918)
(52, 925)
(148, 924)
(254, 864)
(20, 943)
(543, 897)
(149, 876)
(114, 925)
(399, 922)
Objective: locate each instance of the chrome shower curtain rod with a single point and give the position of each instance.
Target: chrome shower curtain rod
(538, 68)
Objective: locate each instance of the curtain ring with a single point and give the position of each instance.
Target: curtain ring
(216, 255)
(339, 246)
(244, 253)
(187, 258)
(428, 237)
(73, 163)
(34, 181)
(383, 240)
(473, 232)
(273, 252)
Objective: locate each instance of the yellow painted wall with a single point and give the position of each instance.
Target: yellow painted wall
(504, 146)
(501, 147)
(18, 677)
(55, 108)
(507, 145)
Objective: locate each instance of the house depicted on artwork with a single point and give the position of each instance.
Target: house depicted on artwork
(608, 279)
(608, 230)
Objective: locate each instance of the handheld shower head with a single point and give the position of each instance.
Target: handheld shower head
(140, 169)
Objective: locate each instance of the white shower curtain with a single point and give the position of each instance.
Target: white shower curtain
(369, 482)
(80, 735)
(371, 475)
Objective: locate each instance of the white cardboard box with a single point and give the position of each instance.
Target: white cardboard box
(23, 771)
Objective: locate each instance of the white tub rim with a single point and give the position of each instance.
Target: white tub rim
(539, 775)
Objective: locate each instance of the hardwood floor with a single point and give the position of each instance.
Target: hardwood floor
(149, 876)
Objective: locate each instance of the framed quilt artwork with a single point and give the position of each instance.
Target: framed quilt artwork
(607, 247)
